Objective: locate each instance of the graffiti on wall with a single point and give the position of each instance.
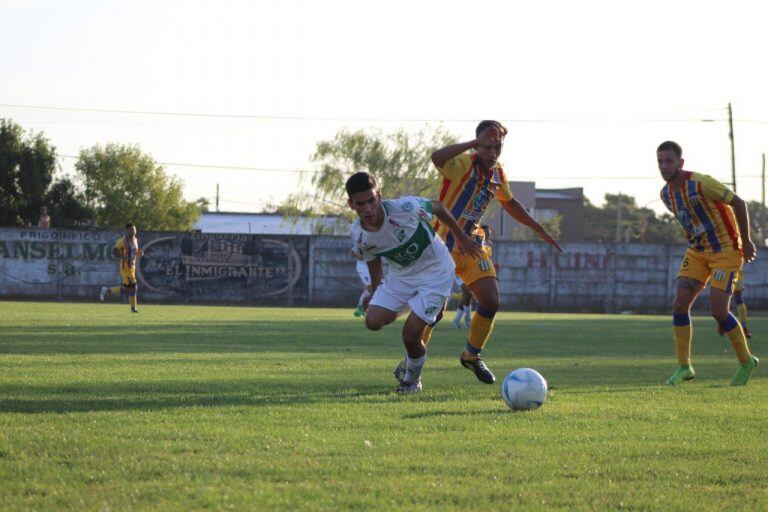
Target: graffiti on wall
(224, 266)
(189, 267)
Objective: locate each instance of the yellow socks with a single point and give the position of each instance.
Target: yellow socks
(480, 329)
(735, 333)
(683, 333)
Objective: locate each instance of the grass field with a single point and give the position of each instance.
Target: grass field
(197, 408)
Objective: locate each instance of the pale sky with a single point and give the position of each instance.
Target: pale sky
(588, 89)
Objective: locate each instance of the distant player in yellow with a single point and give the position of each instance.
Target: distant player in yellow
(472, 178)
(127, 249)
(717, 224)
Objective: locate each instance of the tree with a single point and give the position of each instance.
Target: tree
(400, 162)
(758, 214)
(122, 184)
(638, 224)
(67, 205)
(27, 164)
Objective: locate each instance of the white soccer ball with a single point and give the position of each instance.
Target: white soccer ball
(524, 389)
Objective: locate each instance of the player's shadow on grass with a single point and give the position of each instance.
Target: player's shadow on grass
(149, 396)
(198, 337)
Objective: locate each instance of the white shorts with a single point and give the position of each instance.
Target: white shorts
(425, 296)
(362, 271)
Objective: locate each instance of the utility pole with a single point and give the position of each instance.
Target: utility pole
(217, 198)
(618, 219)
(762, 210)
(733, 153)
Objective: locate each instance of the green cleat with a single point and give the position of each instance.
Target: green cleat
(683, 372)
(745, 370)
(359, 311)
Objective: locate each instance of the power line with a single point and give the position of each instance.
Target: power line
(364, 119)
(225, 167)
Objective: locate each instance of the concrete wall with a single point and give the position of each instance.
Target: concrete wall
(176, 267)
(318, 270)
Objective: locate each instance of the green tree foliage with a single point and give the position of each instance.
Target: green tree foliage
(637, 224)
(400, 161)
(67, 205)
(27, 165)
(758, 216)
(123, 184)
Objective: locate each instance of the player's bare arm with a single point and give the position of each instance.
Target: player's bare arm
(488, 138)
(376, 272)
(518, 212)
(466, 244)
(742, 218)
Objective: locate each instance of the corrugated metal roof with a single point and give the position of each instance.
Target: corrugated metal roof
(256, 223)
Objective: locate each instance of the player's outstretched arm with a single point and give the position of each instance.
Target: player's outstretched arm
(518, 212)
(466, 244)
(742, 218)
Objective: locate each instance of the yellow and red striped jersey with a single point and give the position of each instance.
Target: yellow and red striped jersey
(127, 252)
(466, 192)
(701, 206)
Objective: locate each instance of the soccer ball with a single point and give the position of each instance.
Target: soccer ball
(524, 389)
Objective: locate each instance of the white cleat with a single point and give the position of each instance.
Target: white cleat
(103, 293)
(406, 388)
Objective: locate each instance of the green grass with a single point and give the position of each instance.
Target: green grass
(207, 408)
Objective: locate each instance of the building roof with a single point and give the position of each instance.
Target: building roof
(257, 223)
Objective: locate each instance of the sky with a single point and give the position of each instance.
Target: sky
(239, 93)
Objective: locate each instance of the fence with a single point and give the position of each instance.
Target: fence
(318, 271)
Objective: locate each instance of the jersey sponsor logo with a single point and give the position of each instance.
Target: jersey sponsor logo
(395, 223)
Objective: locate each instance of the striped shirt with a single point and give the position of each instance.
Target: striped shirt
(701, 206)
(466, 192)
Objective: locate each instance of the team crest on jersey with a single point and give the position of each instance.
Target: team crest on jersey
(477, 207)
(406, 206)
(685, 219)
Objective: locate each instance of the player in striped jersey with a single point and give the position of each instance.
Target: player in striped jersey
(127, 250)
(716, 222)
(472, 178)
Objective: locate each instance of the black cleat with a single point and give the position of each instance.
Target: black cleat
(478, 367)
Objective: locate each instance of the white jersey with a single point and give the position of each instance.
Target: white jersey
(406, 239)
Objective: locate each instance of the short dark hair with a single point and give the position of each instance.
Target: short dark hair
(670, 145)
(129, 225)
(487, 123)
(360, 182)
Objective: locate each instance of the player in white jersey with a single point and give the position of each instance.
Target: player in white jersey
(421, 268)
